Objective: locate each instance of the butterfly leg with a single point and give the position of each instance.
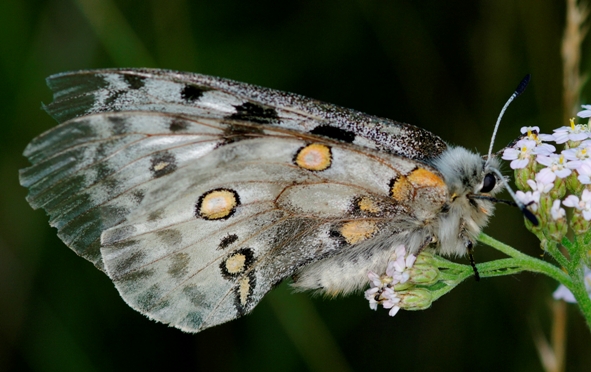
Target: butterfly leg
(470, 249)
(428, 241)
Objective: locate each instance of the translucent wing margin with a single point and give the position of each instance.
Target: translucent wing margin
(86, 92)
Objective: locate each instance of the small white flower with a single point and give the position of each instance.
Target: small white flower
(555, 164)
(370, 295)
(531, 199)
(546, 174)
(529, 130)
(586, 113)
(584, 171)
(540, 185)
(391, 298)
(396, 266)
(556, 211)
(375, 279)
(520, 153)
(545, 177)
(578, 155)
(583, 204)
(563, 293)
(381, 291)
(576, 132)
(533, 133)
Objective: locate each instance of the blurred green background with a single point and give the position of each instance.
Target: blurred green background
(447, 66)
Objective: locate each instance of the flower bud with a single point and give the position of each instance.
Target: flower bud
(573, 184)
(426, 258)
(423, 274)
(559, 189)
(556, 229)
(578, 223)
(402, 286)
(522, 175)
(544, 209)
(415, 299)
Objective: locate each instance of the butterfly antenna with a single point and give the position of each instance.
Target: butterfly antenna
(520, 88)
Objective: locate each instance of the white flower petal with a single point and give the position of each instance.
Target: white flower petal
(393, 311)
(546, 177)
(571, 201)
(519, 163)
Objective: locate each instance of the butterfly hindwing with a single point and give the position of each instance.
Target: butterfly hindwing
(274, 216)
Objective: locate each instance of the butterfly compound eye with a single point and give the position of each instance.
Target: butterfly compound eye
(488, 183)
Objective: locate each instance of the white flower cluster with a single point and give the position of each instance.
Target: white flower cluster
(549, 180)
(382, 286)
(574, 161)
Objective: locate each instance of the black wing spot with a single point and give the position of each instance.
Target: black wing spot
(337, 237)
(249, 111)
(192, 93)
(119, 124)
(113, 96)
(162, 164)
(177, 125)
(134, 81)
(227, 241)
(236, 132)
(138, 196)
(334, 133)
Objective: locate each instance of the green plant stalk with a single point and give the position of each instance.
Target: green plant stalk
(573, 280)
(552, 248)
(577, 273)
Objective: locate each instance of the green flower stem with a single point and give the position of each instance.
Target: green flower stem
(567, 244)
(526, 262)
(501, 267)
(573, 280)
(577, 273)
(552, 248)
(450, 284)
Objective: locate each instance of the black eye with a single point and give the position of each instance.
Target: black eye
(488, 183)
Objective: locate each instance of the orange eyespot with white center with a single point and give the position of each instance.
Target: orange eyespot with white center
(314, 157)
(217, 204)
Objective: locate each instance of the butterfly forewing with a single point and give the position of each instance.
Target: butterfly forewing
(86, 92)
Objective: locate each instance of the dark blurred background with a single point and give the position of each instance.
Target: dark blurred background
(447, 66)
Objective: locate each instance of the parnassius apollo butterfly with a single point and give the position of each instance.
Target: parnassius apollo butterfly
(197, 195)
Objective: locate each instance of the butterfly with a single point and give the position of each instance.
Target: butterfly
(197, 195)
